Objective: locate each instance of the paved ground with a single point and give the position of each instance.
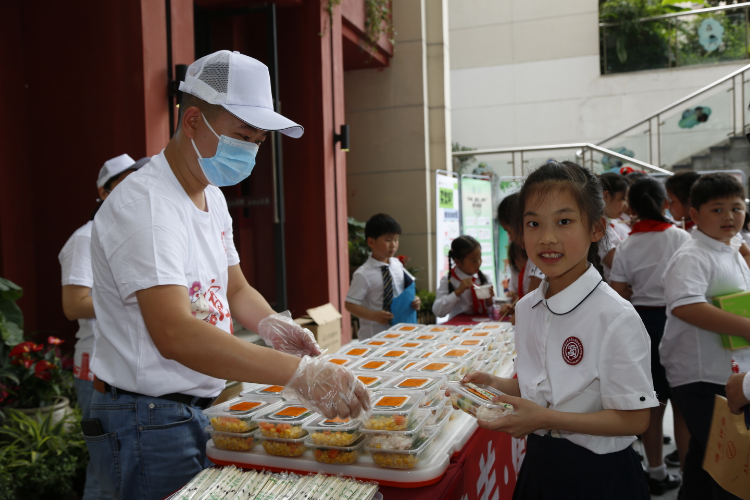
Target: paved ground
(668, 448)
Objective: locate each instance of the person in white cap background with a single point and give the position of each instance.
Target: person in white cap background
(77, 281)
(168, 284)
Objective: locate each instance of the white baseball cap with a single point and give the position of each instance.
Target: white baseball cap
(118, 165)
(242, 86)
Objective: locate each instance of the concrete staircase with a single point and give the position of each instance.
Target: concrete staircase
(731, 154)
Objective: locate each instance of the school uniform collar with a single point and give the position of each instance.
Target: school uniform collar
(570, 298)
(462, 275)
(713, 244)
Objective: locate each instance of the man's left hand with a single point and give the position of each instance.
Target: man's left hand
(735, 395)
(283, 334)
(416, 303)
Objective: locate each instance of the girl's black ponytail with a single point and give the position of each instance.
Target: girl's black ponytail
(646, 198)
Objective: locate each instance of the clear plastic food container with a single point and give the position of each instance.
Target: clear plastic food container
(373, 381)
(333, 432)
(236, 415)
(395, 352)
(406, 327)
(283, 447)
(476, 400)
(340, 359)
(424, 353)
(493, 325)
(465, 353)
(233, 441)
(438, 329)
(479, 342)
(378, 343)
(358, 351)
(265, 391)
(393, 336)
(405, 366)
(438, 426)
(375, 364)
(463, 329)
(427, 385)
(413, 344)
(402, 459)
(340, 455)
(392, 410)
(398, 440)
(454, 369)
(436, 409)
(285, 421)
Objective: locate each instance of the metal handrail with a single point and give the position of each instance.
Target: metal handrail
(582, 145)
(679, 102)
(682, 13)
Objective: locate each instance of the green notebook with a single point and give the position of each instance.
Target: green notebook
(735, 303)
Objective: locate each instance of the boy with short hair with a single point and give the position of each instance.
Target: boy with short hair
(696, 363)
(379, 280)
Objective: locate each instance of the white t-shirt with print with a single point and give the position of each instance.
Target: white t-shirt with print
(149, 233)
(75, 261)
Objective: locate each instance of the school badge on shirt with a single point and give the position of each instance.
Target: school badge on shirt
(572, 350)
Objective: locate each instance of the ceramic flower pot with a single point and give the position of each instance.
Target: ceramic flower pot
(60, 409)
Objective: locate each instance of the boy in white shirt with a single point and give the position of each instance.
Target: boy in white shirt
(379, 280)
(691, 351)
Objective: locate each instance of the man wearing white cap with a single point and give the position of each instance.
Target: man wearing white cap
(167, 286)
(77, 280)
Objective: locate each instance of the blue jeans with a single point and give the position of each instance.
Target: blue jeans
(151, 447)
(84, 390)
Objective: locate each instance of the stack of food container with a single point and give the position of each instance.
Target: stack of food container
(406, 369)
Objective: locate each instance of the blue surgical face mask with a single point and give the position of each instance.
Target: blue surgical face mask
(233, 162)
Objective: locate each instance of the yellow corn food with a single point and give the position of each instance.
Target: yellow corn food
(387, 423)
(331, 438)
(283, 430)
(336, 456)
(282, 449)
(231, 424)
(395, 460)
(233, 443)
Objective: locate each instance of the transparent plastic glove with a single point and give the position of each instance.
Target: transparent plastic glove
(283, 334)
(329, 388)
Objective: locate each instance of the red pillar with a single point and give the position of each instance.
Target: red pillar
(312, 93)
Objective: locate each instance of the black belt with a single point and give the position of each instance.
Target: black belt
(186, 399)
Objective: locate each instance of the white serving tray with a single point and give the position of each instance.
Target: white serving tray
(428, 471)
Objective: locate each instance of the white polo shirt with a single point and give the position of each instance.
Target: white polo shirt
(701, 269)
(513, 284)
(612, 240)
(366, 290)
(534, 271)
(622, 227)
(75, 262)
(149, 233)
(640, 261)
(584, 350)
(448, 303)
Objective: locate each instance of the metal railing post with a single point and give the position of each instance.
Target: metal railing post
(650, 153)
(658, 140)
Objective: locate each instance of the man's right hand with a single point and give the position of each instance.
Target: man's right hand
(382, 317)
(331, 389)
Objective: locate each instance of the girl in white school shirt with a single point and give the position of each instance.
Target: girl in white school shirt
(636, 275)
(525, 277)
(615, 194)
(584, 388)
(456, 293)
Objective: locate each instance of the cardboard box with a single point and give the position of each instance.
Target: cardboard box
(739, 304)
(325, 323)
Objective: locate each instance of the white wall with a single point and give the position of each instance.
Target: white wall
(527, 73)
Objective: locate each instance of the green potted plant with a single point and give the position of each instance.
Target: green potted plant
(31, 376)
(41, 458)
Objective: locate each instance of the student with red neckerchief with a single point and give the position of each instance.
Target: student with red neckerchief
(636, 275)
(457, 293)
(615, 193)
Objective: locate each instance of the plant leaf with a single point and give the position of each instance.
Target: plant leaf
(9, 290)
(12, 312)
